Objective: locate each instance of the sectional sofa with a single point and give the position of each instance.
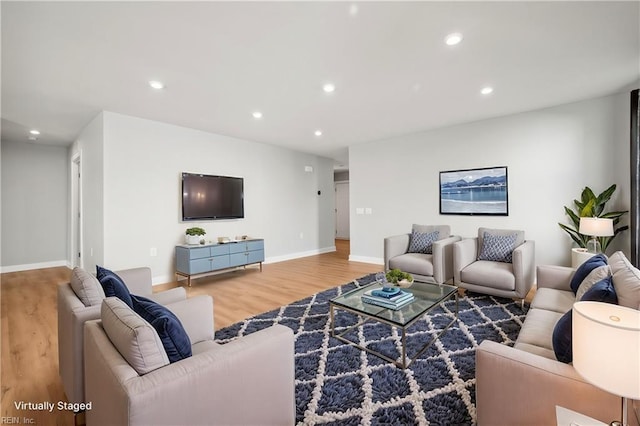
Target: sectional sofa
(523, 384)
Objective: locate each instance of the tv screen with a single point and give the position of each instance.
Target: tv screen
(212, 197)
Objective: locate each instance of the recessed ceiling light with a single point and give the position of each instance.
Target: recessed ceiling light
(353, 9)
(453, 39)
(34, 132)
(257, 114)
(156, 84)
(486, 90)
(329, 87)
(318, 133)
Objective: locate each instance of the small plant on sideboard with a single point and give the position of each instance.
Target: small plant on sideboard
(193, 234)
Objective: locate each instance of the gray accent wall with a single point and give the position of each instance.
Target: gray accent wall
(142, 162)
(34, 205)
(90, 147)
(551, 154)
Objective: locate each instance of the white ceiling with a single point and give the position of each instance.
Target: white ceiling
(62, 63)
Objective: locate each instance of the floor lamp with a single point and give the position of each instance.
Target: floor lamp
(606, 348)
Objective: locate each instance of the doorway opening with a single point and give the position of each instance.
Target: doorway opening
(76, 213)
(342, 210)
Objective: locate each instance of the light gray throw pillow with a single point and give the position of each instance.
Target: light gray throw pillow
(86, 287)
(626, 280)
(135, 339)
(597, 275)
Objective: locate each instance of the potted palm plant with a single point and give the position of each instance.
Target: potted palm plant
(591, 205)
(193, 235)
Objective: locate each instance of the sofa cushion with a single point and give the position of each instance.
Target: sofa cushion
(172, 334)
(113, 285)
(497, 275)
(413, 263)
(626, 280)
(497, 248)
(538, 327)
(550, 299)
(602, 291)
(596, 275)
(585, 269)
(421, 242)
(135, 339)
(86, 287)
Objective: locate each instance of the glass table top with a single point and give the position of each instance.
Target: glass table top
(427, 295)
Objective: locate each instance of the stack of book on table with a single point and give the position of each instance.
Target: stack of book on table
(393, 298)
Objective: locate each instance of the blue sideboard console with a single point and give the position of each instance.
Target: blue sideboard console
(201, 259)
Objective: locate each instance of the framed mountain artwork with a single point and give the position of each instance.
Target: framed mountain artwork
(475, 192)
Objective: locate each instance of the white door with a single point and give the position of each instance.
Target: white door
(342, 210)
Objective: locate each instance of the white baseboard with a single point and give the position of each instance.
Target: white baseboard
(298, 255)
(366, 259)
(31, 266)
(163, 279)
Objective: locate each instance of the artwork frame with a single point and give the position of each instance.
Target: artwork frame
(470, 192)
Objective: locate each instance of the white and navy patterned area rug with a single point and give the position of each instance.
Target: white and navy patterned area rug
(339, 384)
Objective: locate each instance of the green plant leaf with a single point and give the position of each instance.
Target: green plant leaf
(587, 195)
(587, 209)
(579, 239)
(602, 199)
(591, 206)
(605, 196)
(574, 217)
(614, 215)
(195, 230)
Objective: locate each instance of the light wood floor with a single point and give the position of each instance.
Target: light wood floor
(29, 344)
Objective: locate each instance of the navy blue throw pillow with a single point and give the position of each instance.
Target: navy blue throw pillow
(602, 291)
(113, 285)
(174, 338)
(562, 344)
(584, 270)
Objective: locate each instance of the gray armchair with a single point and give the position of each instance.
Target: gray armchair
(511, 278)
(74, 309)
(436, 267)
(248, 381)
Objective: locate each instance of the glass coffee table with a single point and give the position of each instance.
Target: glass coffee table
(427, 296)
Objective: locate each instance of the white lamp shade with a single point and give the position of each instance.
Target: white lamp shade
(596, 226)
(606, 347)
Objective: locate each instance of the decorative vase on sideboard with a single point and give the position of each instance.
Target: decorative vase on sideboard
(193, 239)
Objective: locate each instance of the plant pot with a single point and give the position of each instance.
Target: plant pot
(193, 239)
(404, 283)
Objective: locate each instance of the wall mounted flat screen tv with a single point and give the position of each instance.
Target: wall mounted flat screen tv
(207, 197)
